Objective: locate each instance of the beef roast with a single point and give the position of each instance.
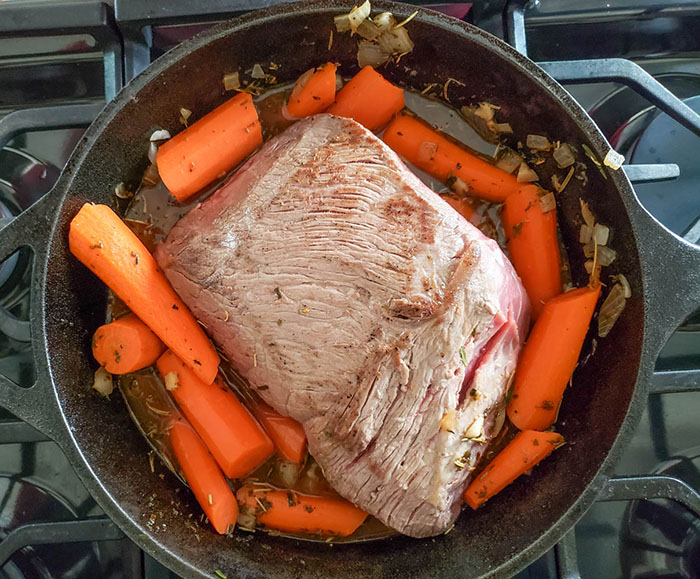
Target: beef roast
(360, 303)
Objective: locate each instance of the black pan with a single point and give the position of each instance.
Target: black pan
(598, 414)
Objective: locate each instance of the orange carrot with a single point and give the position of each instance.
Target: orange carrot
(313, 93)
(287, 434)
(232, 435)
(103, 242)
(549, 358)
(204, 478)
(296, 513)
(368, 98)
(207, 149)
(420, 144)
(533, 245)
(524, 451)
(125, 345)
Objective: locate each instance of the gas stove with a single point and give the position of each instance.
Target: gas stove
(60, 61)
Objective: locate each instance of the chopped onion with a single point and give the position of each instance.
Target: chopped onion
(288, 473)
(185, 114)
(457, 186)
(384, 21)
(525, 174)
(484, 128)
(564, 156)
(301, 83)
(588, 265)
(396, 41)
(257, 72)
(159, 135)
(353, 19)
(622, 280)
(369, 54)
(103, 382)
(151, 175)
(586, 213)
(614, 160)
(611, 309)
(426, 151)
(172, 381)
(548, 202)
(232, 81)
(369, 30)
(585, 234)
(122, 192)
(486, 111)
(606, 255)
(338, 82)
(475, 428)
(152, 152)
(601, 233)
(503, 127)
(537, 142)
(508, 160)
(449, 421)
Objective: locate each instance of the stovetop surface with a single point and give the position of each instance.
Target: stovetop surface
(87, 62)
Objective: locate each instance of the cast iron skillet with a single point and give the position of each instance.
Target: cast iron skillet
(68, 303)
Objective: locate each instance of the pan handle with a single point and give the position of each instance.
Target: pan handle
(36, 404)
(670, 274)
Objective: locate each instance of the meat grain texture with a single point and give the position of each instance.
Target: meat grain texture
(361, 304)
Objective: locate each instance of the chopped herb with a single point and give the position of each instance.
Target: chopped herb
(474, 332)
(591, 155)
(547, 405)
(535, 442)
(175, 307)
(474, 393)
(135, 256)
(211, 499)
(463, 355)
(98, 245)
(263, 387)
(117, 356)
(290, 499)
(220, 574)
(197, 362)
(279, 322)
(518, 228)
(316, 98)
(304, 310)
(308, 508)
(278, 293)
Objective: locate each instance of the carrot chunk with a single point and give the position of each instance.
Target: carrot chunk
(368, 98)
(232, 435)
(297, 513)
(204, 478)
(213, 145)
(533, 245)
(287, 434)
(424, 147)
(313, 93)
(549, 358)
(103, 242)
(526, 450)
(125, 345)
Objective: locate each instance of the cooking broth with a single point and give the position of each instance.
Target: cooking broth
(152, 212)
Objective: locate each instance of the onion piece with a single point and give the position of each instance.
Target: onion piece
(172, 381)
(122, 192)
(588, 265)
(507, 159)
(152, 152)
(611, 309)
(232, 81)
(257, 71)
(384, 21)
(185, 114)
(396, 41)
(548, 202)
(288, 473)
(502, 127)
(477, 122)
(457, 186)
(538, 143)
(601, 234)
(353, 19)
(622, 280)
(369, 54)
(159, 135)
(486, 111)
(563, 155)
(585, 234)
(369, 30)
(526, 174)
(103, 382)
(586, 213)
(606, 255)
(613, 159)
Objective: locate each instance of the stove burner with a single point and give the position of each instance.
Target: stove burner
(22, 501)
(660, 537)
